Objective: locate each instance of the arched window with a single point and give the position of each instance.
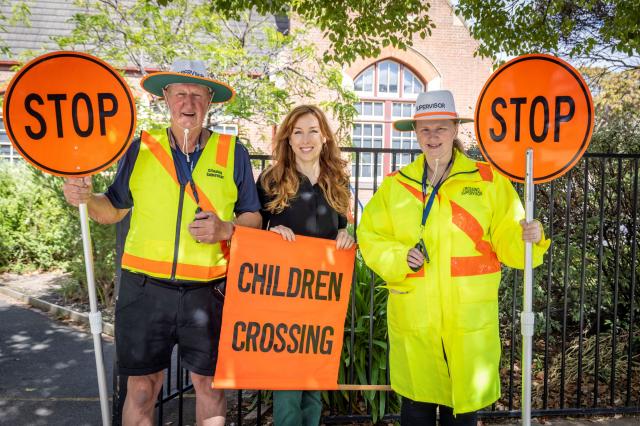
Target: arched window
(387, 92)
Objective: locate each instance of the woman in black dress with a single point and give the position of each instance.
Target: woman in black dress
(305, 192)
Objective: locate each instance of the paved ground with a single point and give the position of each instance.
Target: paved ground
(48, 371)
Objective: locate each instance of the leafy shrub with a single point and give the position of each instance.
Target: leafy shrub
(40, 231)
(35, 227)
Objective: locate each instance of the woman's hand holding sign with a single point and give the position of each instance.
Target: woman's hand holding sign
(531, 231)
(344, 240)
(287, 233)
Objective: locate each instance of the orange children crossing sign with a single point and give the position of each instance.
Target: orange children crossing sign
(69, 114)
(539, 102)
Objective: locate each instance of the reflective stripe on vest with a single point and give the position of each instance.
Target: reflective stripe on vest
(159, 243)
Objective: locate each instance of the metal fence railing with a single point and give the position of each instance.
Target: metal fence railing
(587, 335)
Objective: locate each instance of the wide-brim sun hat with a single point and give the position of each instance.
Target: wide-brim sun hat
(431, 105)
(187, 72)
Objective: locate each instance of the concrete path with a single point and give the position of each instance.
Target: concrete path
(47, 370)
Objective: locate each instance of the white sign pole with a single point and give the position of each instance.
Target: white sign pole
(95, 317)
(527, 318)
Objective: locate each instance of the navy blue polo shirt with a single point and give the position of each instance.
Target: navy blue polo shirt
(120, 195)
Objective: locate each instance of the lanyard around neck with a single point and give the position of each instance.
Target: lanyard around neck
(429, 204)
(191, 164)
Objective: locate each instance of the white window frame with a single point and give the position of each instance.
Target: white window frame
(373, 137)
(373, 115)
(227, 129)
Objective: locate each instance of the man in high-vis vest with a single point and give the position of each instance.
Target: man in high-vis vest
(437, 231)
(186, 188)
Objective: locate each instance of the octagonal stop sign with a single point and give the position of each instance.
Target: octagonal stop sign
(69, 114)
(539, 102)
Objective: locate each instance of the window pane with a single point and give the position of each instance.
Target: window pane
(412, 84)
(363, 83)
(366, 171)
(383, 77)
(393, 77)
(378, 130)
(397, 110)
(368, 80)
(366, 157)
(378, 109)
(367, 130)
(368, 108)
(228, 129)
(377, 143)
(408, 82)
(357, 129)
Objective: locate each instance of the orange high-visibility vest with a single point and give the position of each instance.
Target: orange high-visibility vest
(159, 243)
(443, 320)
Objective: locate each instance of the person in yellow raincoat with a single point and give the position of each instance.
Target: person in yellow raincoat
(437, 231)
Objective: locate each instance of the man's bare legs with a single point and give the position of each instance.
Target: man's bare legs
(142, 393)
(211, 404)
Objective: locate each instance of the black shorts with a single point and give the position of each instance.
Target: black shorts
(154, 315)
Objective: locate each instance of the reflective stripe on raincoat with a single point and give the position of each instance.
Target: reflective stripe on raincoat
(443, 320)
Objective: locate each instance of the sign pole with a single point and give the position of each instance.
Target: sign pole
(95, 316)
(527, 318)
(84, 148)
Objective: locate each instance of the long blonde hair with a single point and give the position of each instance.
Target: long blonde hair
(281, 182)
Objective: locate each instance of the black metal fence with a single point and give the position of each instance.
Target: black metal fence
(587, 334)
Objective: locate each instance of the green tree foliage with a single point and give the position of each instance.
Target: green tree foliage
(616, 98)
(588, 30)
(355, 28)
(592, 31)
(269, 70)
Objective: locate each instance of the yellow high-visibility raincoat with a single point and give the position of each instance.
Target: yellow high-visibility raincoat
(443, 319)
